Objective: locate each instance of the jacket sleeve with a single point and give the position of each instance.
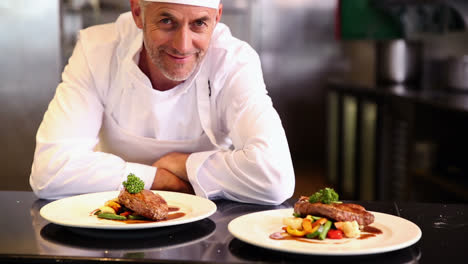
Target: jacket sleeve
(65, 162)
(259, 168)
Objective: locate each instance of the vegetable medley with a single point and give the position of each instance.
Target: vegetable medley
(113, 210)
(320, 228)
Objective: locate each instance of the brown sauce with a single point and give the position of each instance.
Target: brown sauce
(372, 230)
(366, 236)
(174, 216)
(173, 209)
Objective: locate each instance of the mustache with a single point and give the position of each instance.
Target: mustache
(175, 52)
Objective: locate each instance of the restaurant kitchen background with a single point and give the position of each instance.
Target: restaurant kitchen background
(372, 94)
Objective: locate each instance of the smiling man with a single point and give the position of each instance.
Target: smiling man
(167, 93)
(176, 38)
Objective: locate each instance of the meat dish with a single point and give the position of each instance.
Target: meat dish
(145, 203)
(341, 212)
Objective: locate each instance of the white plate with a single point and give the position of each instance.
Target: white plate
(255, 229)
(75, 211)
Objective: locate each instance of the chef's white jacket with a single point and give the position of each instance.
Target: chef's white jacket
(106, 121)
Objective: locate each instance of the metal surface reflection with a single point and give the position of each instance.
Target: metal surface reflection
(202, 240)
(23, 243)
(142, 239)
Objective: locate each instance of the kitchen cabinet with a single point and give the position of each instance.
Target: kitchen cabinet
(397, 143)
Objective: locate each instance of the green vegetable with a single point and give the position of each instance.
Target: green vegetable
(133, 184)
(326, 196)
(112, 216)
(315, 218)
(136, 217)
(316, 233)
(326, 228)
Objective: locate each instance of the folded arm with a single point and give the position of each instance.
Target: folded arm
(65, 162)
(258, 169)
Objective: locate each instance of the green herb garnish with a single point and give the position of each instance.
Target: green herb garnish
(326, 196)
(133, 184)
(297, 215)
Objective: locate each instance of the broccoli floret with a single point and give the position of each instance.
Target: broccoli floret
(326, 196)
(133, 184)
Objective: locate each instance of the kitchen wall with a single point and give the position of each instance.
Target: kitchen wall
(299, 52)
(30, 66)
(295, 40)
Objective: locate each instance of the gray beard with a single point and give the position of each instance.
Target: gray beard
(158, 62)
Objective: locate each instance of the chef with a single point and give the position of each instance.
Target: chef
(168, 94)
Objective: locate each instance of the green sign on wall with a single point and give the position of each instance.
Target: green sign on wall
(361, 20)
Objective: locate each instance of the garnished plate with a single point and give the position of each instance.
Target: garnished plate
(257, 229)
(76, 211)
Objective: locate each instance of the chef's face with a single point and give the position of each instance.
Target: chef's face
(177, 36)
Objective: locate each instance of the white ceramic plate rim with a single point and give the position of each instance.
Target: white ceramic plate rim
(255, 229)
(75, 211)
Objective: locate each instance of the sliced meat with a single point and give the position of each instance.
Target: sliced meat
(145, 203)
(340, 212)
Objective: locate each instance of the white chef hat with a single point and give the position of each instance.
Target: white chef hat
(206, 3)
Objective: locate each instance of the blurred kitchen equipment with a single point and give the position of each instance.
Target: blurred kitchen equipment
(457, 73)
(399, 61)
(360, 61)
(424, 156)
(462, 7)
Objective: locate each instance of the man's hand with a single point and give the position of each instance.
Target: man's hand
(167, 181)
(175, 163)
